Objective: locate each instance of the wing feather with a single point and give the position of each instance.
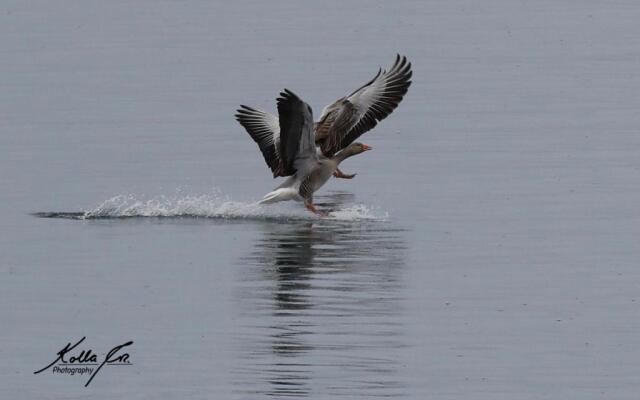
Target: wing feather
(297, 144)
(264, 129)
(345, 120)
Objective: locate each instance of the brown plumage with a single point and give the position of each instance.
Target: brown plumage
(347, 118)
(288, 142)
(341, 122)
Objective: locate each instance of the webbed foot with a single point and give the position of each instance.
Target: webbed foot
(314, 210)
(340, 174)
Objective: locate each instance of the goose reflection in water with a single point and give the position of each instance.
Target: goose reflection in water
(320, 310)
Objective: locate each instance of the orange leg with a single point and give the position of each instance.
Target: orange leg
(340, 174)
(314, 210)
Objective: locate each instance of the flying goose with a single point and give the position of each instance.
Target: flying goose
(341, 122)
(293, 153)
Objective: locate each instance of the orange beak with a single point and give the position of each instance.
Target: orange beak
(366, 147)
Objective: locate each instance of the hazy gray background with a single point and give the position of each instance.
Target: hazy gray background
(487, 249)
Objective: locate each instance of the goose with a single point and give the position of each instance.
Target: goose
(341, 122)
(294, 153)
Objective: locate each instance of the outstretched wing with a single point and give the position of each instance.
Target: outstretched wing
(297, 143)
(349, 117)
(264, 129)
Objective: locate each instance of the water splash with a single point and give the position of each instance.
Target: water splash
(214, 206)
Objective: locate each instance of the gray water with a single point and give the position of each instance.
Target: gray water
(487, 249)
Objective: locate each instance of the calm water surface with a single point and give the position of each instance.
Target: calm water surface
(487, 249)
(320, 307)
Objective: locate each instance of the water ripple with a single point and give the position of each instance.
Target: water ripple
(320, 310)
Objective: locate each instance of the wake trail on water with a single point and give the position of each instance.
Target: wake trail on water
(212, 206)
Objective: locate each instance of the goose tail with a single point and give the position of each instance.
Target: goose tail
(282, 194)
